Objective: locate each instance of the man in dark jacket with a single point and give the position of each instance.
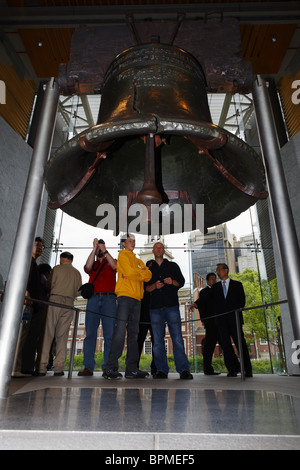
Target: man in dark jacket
(229, 296)
(205, 305)
(35, 325)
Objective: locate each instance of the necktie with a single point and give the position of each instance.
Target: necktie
(224, 288)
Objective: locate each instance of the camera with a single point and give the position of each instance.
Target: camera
(100, 254)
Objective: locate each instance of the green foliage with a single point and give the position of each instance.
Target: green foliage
(259, 322)
(261, 366)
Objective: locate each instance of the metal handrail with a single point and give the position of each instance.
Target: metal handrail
(77, 310)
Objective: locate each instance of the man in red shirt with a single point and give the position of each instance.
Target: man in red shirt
(101, 306)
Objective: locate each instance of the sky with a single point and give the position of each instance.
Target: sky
(77, 237)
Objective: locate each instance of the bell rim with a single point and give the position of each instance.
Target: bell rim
(110, 131)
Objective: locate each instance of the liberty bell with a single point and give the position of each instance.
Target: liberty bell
(155, 145)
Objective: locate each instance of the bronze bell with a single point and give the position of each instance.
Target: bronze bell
(155, 144)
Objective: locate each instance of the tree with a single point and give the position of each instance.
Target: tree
(258, 320)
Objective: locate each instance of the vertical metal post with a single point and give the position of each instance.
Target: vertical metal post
(22, 251)
(280, 202)
(240, 346)
(72, 352)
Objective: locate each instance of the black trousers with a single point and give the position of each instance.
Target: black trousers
(141, 339)
(228, 329)
(34, 337)
(145, 326)
(210, 341)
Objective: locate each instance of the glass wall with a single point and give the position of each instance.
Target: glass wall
(237, 243)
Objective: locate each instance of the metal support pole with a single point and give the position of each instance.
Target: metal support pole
(72, 352)
(240, 346)
(22, 251)
(280, 202)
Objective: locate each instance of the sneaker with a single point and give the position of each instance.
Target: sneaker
(113, 375)
(186, 375)
(160, 375)
(58, 374)
(138, 374)
(86, 372)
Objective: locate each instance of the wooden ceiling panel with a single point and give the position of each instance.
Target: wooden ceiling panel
(19, 100)
(47, 48)
(266, 45)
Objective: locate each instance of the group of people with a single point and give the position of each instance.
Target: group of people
(44, 329)
(141, 298)
(145, 297)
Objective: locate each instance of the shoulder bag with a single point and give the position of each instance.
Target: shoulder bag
(87, 290)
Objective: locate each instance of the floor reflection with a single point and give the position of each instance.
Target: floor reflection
(152, 410)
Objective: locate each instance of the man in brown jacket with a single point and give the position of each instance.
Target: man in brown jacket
(64, 282)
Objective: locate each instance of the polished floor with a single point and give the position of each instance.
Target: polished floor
(206, 413)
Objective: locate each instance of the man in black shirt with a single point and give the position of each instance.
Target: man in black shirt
(205, 305)
(33, 327)
(164, 307)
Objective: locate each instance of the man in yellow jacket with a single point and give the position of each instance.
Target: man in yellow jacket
(132, 273)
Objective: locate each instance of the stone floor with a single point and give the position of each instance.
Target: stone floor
(209, 412)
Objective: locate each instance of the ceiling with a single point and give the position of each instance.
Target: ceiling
(36, 35)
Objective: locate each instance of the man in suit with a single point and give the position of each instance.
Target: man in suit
(229, 296)
(205, 305)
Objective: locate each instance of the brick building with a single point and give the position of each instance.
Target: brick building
(188, 328)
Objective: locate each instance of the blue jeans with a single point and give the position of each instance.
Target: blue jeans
(171, 315)
(99, 307)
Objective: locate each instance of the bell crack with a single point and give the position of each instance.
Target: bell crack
(134, 101)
